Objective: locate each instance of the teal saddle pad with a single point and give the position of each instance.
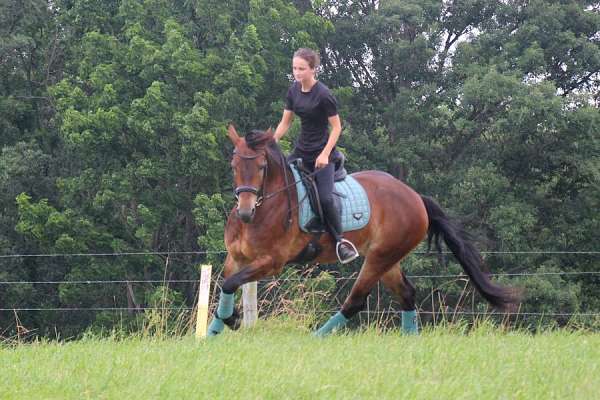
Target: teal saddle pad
(354, 202)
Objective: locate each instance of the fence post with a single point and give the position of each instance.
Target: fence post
(249, 303)
(203, 295)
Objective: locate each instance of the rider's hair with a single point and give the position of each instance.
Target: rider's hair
(310, 56)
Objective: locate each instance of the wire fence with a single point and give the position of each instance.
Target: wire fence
(172, 253)
(457, 276)
(332, 311)
(271, 280)
(102, 282)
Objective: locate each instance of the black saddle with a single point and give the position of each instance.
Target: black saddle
(340, 170)
(317, 224)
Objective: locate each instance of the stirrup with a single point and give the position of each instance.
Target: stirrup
(337, 251)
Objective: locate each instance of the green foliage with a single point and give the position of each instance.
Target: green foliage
(209, 214)
(113, 117)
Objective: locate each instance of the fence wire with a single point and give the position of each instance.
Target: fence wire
(444, 312)
(106, 282)
(174, 253)
(271, 280)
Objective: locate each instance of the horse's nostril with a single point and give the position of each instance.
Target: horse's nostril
(246, 216)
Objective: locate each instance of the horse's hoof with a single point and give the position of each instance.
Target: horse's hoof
(234, 322)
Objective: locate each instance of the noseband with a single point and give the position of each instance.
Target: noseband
(251, 189)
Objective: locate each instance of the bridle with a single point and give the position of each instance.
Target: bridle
(260, 193)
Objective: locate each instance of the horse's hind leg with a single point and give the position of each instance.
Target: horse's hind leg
(398, 284)
(404, 292)
(370, 273)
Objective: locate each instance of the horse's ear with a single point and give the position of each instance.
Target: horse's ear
(233, 135)
(269, 132)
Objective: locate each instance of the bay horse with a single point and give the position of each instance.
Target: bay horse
(262, 235)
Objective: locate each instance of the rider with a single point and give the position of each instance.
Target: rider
(316, 106)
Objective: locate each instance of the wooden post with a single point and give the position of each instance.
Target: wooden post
(132, 305)
(249, 304)
(203, 295)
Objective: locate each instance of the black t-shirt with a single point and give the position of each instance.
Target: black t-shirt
(314, 108)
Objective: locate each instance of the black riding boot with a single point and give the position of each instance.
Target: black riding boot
(344, 249)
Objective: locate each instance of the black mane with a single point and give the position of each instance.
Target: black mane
(258, 140)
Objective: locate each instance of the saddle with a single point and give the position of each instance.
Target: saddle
(317, 223)
(350, 199)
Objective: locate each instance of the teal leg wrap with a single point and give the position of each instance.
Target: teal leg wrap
(216, 326)
(409, 322)
(225, 309)
(334, 323)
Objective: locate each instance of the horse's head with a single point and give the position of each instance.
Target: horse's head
(250, 169)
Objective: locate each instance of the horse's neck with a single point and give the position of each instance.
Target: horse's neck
(276, 181)
(283, 197)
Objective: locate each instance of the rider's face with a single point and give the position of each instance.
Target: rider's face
(301, 70)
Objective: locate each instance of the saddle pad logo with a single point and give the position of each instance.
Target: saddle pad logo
(357, 216)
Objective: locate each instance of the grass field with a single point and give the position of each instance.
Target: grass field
(281, 360)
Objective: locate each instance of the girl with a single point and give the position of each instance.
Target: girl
(314, 103)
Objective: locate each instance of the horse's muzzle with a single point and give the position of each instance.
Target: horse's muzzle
(246, 215)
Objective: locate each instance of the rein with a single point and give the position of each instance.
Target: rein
(287, 186)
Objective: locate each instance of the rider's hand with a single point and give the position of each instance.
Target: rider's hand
(322, 161)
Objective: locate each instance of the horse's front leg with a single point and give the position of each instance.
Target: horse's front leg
(236, 276)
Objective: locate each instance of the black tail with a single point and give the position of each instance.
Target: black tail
(467, 255)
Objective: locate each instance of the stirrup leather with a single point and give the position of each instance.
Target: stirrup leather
(337, 251)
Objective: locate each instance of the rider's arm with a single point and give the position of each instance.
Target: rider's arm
(284, 125)
(334, 135)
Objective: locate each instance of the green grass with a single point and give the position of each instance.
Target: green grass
(281, 360)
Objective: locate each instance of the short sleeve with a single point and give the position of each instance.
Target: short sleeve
(329, 104)
(289, 99)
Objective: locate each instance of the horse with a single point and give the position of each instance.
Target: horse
(262, 235)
